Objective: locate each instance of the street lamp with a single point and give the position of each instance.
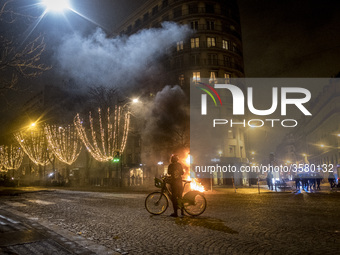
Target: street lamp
(56, 5)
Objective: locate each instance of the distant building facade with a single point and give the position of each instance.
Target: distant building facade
(317, 139)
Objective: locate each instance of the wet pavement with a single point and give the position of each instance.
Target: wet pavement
(245, 222)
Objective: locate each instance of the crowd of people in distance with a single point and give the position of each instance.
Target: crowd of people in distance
(312, 181)
(306, 181)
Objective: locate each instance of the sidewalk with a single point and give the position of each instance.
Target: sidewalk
(22, 235)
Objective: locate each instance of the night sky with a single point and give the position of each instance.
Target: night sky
(280, 38)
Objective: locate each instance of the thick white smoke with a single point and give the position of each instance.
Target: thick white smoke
(98, 60)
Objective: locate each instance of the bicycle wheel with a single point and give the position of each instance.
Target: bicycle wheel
(156, 203)
(197, 206)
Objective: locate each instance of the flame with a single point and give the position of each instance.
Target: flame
(194, 185)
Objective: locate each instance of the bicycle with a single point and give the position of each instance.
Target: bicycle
(193, 202)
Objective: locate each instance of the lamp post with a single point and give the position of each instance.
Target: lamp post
(56, 5)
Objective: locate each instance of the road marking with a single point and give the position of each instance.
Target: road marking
(17, 204)
(8, 219)
(41, 202)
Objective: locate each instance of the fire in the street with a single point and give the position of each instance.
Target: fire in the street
(194, 185)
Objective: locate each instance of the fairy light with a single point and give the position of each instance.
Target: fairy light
(2, 157)
(111, 137)
(11, 157)
(63, 142)
(34, 145)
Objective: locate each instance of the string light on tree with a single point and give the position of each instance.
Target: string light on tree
(63, 142)
(2, 157)
(11, 157)
(112, 135)
(34, 144)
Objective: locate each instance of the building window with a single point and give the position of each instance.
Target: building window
(165, 17)
(195, 43)
(227, 77)
(195, 59)
(211, 41)
(193, 8)
(232, 151)
(181, 80)
(138, 23)
(179, 45)
(226, 61)
(178, 12)
(210, 25)
(213, 76)
(129, 29)
(165, 3)
(196, 76)
(194, 25)
(212, 59)
(179, 62)
(146, 17)
(154, 10)
(225, 44)
(209, 8)
(230, 134)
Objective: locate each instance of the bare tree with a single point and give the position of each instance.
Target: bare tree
(17, 58)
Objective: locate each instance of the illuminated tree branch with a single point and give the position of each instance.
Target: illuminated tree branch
(11, 157)
(17, 59)
(35, 146)
(104, 138)
(64, 142)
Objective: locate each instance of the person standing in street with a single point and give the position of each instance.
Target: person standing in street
(175, 170)
(331, 180)
(270, 180)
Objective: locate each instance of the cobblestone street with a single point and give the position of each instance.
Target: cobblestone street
(234, 223)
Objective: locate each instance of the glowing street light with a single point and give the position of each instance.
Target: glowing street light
(56, 5)
(135, 100)
(322, 145)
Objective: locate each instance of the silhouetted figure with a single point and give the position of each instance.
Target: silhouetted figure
(270, 180)
(175, 170)
(318, 181)
(133, 179)
(312, 182)
(297, 182)
(331, 180)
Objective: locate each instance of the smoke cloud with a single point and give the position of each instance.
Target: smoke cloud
(167, 126)
(98, 60)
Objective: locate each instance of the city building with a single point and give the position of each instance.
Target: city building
(213, 51)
